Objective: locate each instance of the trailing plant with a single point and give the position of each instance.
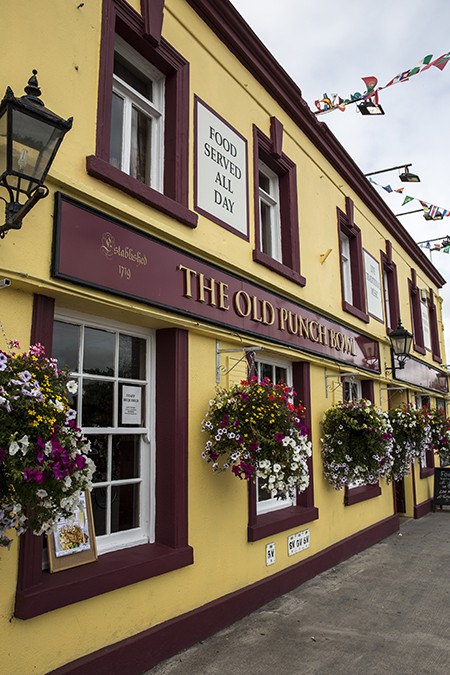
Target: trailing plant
(255, 430)
(357, 444)
(44, 463)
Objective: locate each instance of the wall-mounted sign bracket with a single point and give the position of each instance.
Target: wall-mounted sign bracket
(248, 354)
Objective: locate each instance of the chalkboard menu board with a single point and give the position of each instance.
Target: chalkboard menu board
(442, 486)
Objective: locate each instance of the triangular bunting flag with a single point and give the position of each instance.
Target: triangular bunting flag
(407, 199)
(399, 190)
(387, 188)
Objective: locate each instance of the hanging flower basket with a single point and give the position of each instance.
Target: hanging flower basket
(44, 465)
(255, 430)
(412, 437)
(357, 444)
(440, 435)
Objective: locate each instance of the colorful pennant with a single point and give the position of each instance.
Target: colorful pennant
(327, 103)
(431, 211)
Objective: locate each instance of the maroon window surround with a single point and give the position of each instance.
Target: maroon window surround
(347, 227)
(428, 469)
(38, 591)
(268, 150)
(390, 279)
(120, 19)
(267, 524)
(434, 329)
(363, 492)
(416, 315)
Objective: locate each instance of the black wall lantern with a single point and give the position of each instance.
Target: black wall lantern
(401, 342)
(30, 136)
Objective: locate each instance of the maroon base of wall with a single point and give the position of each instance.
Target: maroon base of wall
(423, 508)
(137, 654)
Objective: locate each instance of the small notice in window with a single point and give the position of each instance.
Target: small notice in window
(131, 405)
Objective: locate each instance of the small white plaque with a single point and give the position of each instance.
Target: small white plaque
(270, 554)
(298, 542)
(131, 405)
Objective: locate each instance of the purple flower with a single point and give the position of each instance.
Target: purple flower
(279, 437)
(33, 476)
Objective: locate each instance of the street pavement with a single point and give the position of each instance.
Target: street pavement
(385, 611)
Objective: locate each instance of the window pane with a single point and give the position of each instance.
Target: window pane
(99, 505)
(132, 357)
(115, 146)
(99, 348)
(125, 457)
(266, 371)
(131, 76)
(97, 406)
(266, 229)
(124, 507)
(264, 182)
(131, 405)
(66, 344)
(99, 454)
(140, 146)
(280, 375)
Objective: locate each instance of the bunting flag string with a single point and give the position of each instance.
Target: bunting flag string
(328, 103)
(442, 246)
(430, 211)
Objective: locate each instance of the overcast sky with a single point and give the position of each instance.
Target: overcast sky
(329, 46)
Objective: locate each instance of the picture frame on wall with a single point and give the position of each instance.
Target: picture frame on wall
(73, 543)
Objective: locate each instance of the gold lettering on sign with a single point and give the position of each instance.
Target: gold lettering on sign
(215, 293)
(242, 303)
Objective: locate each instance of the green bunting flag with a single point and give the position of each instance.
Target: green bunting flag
(407, 199)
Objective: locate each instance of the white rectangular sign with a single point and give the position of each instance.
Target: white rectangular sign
(131, 405)
(374, 294)
(221, 171)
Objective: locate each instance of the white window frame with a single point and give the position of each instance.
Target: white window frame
(145, 532)
(346, 269)
(274, 504)
(272, 201)
(154, 110)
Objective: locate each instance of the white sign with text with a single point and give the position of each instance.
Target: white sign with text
(373, 286)
(221, 171)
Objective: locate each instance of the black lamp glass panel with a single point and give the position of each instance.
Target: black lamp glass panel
(34, 143)
(3, 135)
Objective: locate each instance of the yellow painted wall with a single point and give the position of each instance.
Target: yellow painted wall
(67, 56)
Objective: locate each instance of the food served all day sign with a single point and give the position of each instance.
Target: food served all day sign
(220, 170)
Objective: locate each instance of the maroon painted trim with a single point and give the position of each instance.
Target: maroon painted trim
(264, 150)
(41, 326)
(152, 12)
(416, 316)
(434, 329)
(367, 390)
(235, 33)
(99, 168)
(172, 437)
(39, 591)
(390, 269)
(276, 137)
(119, 18)
(279, 268)
(361, 494)
(347, 227)
(427, 471)
(267, 524)
(143, 651)
(423, 508)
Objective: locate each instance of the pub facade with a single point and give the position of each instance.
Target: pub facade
(202, 225)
